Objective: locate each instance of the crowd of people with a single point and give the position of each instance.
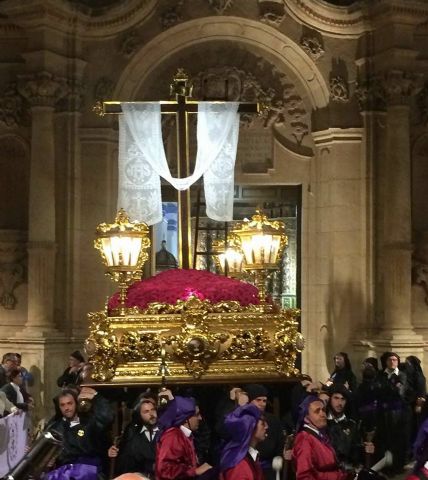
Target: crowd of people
(352, 423)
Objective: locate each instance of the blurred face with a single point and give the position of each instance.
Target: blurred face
(339, 361)
(17, 380)
(337, 403)
(260, 432)
(316, 415)
(193, 421)
(148, 413)
(260, 403)
(392, 363)
(73, 362)
(11, 363)
(67, 405)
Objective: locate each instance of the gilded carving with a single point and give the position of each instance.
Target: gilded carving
(43, 88)
(193, 339)
(339, 91)
(313, 47)
(246, 344)
(12, 274)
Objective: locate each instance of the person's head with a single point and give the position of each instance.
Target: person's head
(316, 415)
(337, 402)
(148, 413)
(312, 411)
(67, 403)
(244, 426)
(392, 360)
(15, 376)
(192, 423)
(75, 359)
(18, 359)
(341, 361)
(257, 395)
(260, 432)
(324, 396)
(180, 411)
(10, 361)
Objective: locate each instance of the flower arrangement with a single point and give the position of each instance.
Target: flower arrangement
(179, 284)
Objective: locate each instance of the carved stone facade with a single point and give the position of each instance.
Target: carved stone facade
(344, 98)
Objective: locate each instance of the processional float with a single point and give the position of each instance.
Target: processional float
(186, 325)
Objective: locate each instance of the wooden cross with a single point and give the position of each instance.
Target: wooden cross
(182, 106)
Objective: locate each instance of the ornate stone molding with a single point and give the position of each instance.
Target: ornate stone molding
(400, 86)
(13, 266)
(272, 12)
(172, 15)
(220, 6)
(66, 16)
(266, 85)
(11, 106)
(313, 47)
(42, 89)
(370, 94)
(103, 89)
(423, 104)
(339, 90)
(130, 43)
(420, 277)
(74, 100)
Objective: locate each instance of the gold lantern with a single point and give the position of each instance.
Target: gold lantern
(230, 257)
(124, 249)
(262, 242)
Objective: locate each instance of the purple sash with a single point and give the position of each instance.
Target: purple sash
(74, 471)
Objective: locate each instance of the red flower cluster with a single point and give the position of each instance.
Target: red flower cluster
(178, 284)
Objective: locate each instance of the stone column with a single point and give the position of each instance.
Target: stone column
(42, 91)
(397, 226)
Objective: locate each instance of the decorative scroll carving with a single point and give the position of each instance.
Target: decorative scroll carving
(43, 88)
(370, 94)
(74, 100)
(103, 89)
(272, 12)
(12, 270)
(420, 277)
(400, 86)
(275, 91)
(172, 15)
(220, 6)
(339, 91)
(130, 44)
(313, 47)
(422, 102)
(11, 106)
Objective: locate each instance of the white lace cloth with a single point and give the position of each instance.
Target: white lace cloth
(142, 160)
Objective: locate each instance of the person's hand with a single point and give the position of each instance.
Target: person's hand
(242, 398)
(87, 392)
(233, 394)
(369, 447)
(113, 451)
(203, 468)
(329, 382)
(287, 454)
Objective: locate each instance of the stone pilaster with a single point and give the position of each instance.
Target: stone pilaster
(42, 91)
(391, 328)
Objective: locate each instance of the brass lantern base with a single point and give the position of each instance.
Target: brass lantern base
(194, 340)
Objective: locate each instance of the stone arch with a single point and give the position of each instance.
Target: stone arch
(248, 32)
(14, 191)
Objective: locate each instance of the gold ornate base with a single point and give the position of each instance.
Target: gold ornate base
(194, 340)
